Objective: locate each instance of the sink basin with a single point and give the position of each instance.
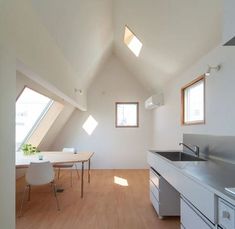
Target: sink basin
(179, 156)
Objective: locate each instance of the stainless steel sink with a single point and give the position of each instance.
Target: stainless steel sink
(179, 156)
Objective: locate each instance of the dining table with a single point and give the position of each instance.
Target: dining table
(57, 157)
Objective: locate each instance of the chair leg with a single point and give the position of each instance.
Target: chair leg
(22, 202)
(58, 173)
(55, 194)
(71, 177)
(77, 170)
(29, 192)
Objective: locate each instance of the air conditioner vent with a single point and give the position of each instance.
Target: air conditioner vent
(154, 101)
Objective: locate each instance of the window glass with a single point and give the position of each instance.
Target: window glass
(31, 106)
(132, 42)
(193, 103)
(127, 115)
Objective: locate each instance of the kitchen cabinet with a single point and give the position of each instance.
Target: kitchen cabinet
(198, 195)
(226, 214)
(191, 218)
(204, 203)
(164, 197)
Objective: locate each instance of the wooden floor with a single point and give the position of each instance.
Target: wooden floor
(106, 205)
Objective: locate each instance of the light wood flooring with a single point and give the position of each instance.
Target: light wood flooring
(105, 205)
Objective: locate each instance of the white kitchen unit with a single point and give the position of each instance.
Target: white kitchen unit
(199, 196)
(204, 202)
(163, 196)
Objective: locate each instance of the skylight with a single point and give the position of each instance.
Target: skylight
(30, 108)
(132, 42)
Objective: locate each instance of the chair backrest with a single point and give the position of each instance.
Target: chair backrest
(39, 173)
(69, 150)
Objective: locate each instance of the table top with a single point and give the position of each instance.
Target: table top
(55, 157)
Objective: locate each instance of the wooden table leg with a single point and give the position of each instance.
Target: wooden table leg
(89, 170)
(82, 179)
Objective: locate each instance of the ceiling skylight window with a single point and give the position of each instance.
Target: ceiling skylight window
(31, 107)
(132, 42)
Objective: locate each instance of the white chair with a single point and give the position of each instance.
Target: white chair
(39, 174)
(67, 165)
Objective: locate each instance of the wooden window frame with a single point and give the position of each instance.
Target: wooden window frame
(128, 126)
(200, 78)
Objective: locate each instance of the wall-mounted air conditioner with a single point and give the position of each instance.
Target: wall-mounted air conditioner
(154, 101)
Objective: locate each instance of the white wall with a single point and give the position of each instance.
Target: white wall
(220, 97)
(113, 147)
(56, 128)
(7, 140)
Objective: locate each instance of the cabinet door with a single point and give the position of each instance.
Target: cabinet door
(226, 215)
(191, 219)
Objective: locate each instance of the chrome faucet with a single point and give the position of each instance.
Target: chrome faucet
(195, 150)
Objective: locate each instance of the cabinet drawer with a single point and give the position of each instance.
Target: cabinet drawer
(226, 215)
(151, 159)
(154, 202)
(155, 178)
(191, 218)
(154, 190)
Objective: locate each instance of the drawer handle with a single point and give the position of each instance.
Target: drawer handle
(226, 215)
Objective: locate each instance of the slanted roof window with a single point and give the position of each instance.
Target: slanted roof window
(31, 106)
(132, 42)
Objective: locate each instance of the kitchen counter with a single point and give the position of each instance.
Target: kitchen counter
(215, 175)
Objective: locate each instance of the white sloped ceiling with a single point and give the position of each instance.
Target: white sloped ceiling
(174, 34)
(83, 30)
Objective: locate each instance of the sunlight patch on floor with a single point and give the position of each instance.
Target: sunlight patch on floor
(120, 181)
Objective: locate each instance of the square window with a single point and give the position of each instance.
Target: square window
(193, 102)
(127, 114)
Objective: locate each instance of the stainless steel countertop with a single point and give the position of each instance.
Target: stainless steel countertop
(214, 174)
